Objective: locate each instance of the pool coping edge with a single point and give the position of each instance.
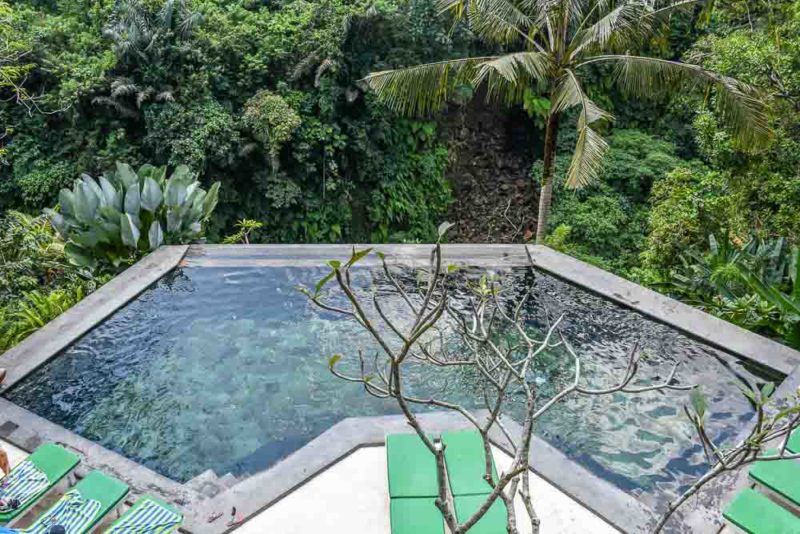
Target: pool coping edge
(55, 336)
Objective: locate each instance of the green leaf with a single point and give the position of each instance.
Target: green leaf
(155, 236)
(79, 256)
(129, 230)
(151, 195)
(66, 199)
(126, 175)
(335, 264)
(767, 390)
(327, 278)
(133, 200)
(747, 392)
(210, 200)
(173, 221)
(381, 255)
(443, 228)
(112, 197)
(333, 360)
(698, 401)
(452, 267)
(86, 203)
(176, 193)
(358, 256)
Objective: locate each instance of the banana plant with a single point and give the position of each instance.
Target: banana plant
(124, 213)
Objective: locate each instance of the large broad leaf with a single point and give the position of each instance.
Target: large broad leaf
(92, 184)
(151, 195)
(175, 194)
(210, 200)
(156, 173)
(86, 203)
(155, 236)
(87, 238)
(66, 199)
(182, 175)
(133, 200)
(173, 221)
(111, 195)
(126, 175)
(79, 256)
(129, 230)
(57, 220)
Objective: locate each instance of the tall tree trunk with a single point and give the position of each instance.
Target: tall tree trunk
(546, 195)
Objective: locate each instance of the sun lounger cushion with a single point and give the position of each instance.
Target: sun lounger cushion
(793, 445)
(411, 467)
(754, 513)
(416, 515)
(779, 476)
(466, 463)
(494, 520)
(51, 463)
(147, 516)
(81, 508)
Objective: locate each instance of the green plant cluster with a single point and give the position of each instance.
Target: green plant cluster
(261, 96)
(113, 220)
(36, 281)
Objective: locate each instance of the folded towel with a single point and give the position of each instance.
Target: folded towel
(72, 512)
(149, 518)
(22, 484)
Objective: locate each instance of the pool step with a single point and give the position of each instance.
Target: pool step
(209, 484)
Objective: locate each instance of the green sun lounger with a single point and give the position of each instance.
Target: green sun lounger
(413, 486)
(755, 513)
(54, 462)
(466, 466)
(466, 463)
(84, 506)
(781, 477)
(147, 516)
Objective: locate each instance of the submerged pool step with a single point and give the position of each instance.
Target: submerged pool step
(210, 485)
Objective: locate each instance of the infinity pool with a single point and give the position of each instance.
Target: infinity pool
(225, 368)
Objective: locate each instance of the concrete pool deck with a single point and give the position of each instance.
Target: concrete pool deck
(352, 497)
(311, 468)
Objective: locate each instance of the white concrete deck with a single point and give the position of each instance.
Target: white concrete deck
(353, 497)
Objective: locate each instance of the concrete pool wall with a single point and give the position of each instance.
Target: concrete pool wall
(208, 492)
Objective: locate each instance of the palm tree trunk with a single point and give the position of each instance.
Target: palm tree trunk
(546, 195)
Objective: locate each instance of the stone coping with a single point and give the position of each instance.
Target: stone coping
(68, 327)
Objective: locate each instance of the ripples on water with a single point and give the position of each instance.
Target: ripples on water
(226, 369)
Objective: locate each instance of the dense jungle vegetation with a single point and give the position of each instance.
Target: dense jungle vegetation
(267, 99)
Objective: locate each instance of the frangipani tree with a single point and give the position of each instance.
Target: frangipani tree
(551, 46)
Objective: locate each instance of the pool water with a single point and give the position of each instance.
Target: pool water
(225, 368)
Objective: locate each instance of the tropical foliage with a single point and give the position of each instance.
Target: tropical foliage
(551, 46)
(116, 218)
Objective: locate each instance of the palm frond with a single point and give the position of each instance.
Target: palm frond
(508, 76)
(495, 21)
(587, 159)
(590, 146)
(426, 88)
(620, 27)
(740, 106)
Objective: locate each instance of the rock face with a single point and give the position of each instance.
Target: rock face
(491, 152)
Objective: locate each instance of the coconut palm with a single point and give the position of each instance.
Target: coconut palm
(551, 46)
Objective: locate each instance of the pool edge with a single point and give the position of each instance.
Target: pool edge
(52, 338)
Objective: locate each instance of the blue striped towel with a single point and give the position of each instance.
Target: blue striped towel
(149, 518)
(72, 512)
(23, 483)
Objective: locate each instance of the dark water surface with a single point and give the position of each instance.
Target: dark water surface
(226, 369)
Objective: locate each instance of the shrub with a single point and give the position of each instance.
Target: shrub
(113, 220)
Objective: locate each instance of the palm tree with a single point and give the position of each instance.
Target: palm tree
(551, 44)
